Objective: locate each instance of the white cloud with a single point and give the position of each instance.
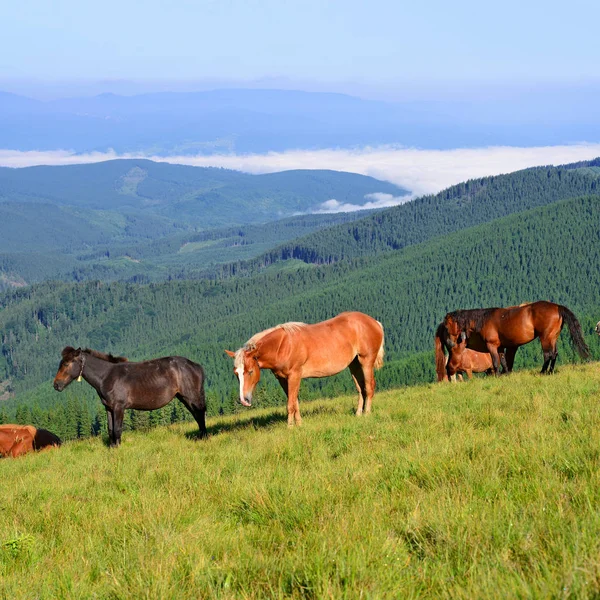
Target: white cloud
(15, 158)
(379, 200)
(420, 171)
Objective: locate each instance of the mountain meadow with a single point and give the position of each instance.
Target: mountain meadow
(487, 488)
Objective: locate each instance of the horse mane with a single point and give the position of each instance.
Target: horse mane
(105, 356)
(473, 318)
(290, 327)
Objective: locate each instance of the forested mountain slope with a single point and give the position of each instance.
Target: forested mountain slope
(548, 253)
(181, 255)
(459, 207)
(148, 221)
(203, 197)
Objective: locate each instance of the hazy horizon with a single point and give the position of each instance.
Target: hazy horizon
(472, 89)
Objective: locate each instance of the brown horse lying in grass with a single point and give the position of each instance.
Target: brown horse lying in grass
(146, 385)
(460, 359)
(16, 440)
(492, 329)
(294, 351)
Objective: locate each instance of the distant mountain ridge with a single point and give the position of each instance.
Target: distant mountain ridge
(264, 120)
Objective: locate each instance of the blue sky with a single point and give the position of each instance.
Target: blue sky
(381, 43)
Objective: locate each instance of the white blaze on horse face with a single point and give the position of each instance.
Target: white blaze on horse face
(240, 374)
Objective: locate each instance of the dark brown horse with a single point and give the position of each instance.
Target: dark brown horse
(491, 329)
(294, 351)
(147, 385)
(460, 359)
(16, 440)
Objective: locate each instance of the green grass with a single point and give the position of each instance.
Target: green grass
(487, 489)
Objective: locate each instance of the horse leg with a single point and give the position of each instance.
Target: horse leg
(510, 358)
(493, 350)
(503, 361)
(293, 388)
(199, 412)
(550, 356)
(118, 414)
(359, 381)
(109, 420)
(450, 371)
(19, 448)
(197, 408)
(369, 377)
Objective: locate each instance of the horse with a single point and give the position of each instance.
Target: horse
(597, 330)
(491, 329)
(294, 351)
(16, 440)
(146, 385)
(460, 359)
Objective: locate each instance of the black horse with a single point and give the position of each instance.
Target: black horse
(146, 385)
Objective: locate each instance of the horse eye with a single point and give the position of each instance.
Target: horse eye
(250, 371)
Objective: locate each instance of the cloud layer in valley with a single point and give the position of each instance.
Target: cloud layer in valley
(420, 171)
(376, 200)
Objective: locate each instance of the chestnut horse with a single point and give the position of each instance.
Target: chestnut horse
(460, 359)
(147, 385)
(16, 440)
(295, 351)
(490, 329)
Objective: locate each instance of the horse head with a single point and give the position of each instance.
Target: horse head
(70, 367)
(247, 370)
(455, 334)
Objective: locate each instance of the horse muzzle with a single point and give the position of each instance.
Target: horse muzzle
(247, 401)
(59, 386)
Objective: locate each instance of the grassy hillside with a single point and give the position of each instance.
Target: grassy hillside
(488, 489)
(456, 208)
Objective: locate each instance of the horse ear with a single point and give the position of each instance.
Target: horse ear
(230, 353)
(67, 350)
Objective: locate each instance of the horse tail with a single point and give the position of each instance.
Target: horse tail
(379, 360)
(440, 356)
(575, 331)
